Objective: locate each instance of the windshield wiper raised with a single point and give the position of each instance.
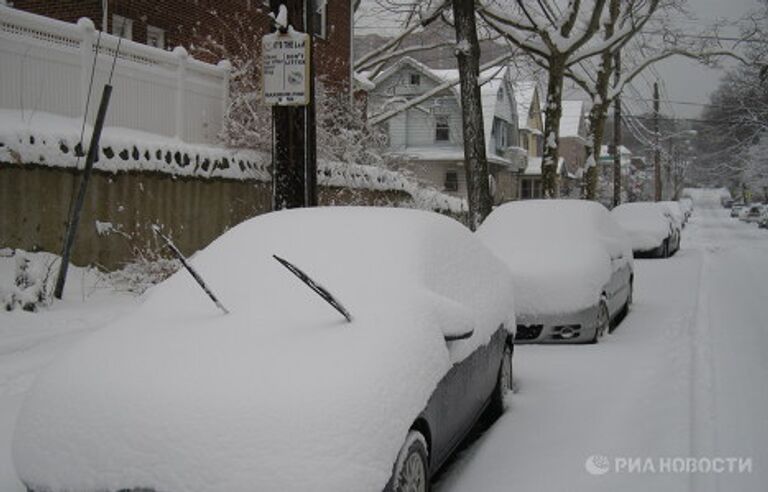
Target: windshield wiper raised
(319, 289)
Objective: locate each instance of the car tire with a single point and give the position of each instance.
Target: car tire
(603, 321)
(504, 382)
(411, 472)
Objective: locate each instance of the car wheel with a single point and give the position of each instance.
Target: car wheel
(504, 383)
(603, 321)
(412, 465)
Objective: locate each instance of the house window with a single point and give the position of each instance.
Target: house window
(442, 129)
(415, 79)
(451, 181)
(525, 189)
(155, 37)
(319, 24)
(122, 26)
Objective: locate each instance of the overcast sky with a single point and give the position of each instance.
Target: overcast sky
(685, 80)
(680, 79)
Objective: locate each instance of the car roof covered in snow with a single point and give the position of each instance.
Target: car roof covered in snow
(283, 393)
(559, 251)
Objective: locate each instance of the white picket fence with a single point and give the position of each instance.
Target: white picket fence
(45, 65)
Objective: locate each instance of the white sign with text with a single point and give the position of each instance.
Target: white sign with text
(285, 64)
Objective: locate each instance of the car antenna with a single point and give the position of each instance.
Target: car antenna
(319, 289)
(189, 268)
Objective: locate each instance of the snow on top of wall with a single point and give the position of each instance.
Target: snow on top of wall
(52, 140)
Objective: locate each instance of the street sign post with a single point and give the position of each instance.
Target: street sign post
(285, 63)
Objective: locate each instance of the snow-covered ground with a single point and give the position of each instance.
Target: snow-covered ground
(683, 376)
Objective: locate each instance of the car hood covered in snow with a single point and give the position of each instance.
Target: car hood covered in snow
(559, 252)
(644, 222)
(283, 393)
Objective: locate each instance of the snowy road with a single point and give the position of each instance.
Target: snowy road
(685, 375)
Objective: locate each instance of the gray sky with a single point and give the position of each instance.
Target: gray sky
(685, 80)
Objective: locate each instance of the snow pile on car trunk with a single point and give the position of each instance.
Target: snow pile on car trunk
(559, 252)
(283, 393)
(644, 222)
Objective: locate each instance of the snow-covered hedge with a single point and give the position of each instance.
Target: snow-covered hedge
(52, 140)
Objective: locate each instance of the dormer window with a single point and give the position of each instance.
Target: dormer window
(415, 79)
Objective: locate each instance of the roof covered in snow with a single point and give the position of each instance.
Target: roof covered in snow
(570, 121)
(525, 92)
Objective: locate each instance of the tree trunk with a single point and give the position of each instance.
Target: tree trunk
(475, 160)
(617, 135)
(597, 118)
(553, 111)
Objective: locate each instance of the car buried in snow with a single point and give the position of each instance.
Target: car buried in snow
(652, 230)
(752, 213)
(572, 266)
(369, 387)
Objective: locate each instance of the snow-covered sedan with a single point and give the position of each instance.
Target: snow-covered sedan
(651, 229)
(572, 266)
(752, 213)
(368, 383)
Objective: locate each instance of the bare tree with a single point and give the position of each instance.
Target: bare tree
(555, 39)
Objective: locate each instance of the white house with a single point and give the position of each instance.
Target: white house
(428, 137)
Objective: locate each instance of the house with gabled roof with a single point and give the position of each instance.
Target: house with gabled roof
(572, 146)
(427, 137)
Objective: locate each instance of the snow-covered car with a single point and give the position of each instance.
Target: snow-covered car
(651, 229)
(736, 209)
(676, 211)
(285, 393)
(572, 266)
(686, 205)
(751, 214)
(763, 222)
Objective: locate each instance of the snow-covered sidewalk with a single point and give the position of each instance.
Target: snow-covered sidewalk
(683, 376)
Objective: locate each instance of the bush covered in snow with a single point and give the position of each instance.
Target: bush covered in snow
(32, 281)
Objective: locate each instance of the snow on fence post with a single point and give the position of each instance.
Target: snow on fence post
(226, 70)
(88, 30)
(181, 76)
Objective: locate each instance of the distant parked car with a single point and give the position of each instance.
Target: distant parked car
(651, 229)
(751, 214)
(368, 388)
(571, 263)
(736, 208)
(727, 202)
(676, 211)
(686, 205)
(763, 222)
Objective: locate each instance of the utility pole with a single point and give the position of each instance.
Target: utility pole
(656, 145)
(617, 133)
(294, 165)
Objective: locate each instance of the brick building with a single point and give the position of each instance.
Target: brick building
(236, 25)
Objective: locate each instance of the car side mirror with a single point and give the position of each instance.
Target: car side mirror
(452, 337)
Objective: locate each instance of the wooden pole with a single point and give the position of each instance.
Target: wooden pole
(617, 134)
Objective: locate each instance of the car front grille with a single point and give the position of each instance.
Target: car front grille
(528, 332)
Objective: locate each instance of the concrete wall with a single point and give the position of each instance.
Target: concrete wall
(34, 204)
